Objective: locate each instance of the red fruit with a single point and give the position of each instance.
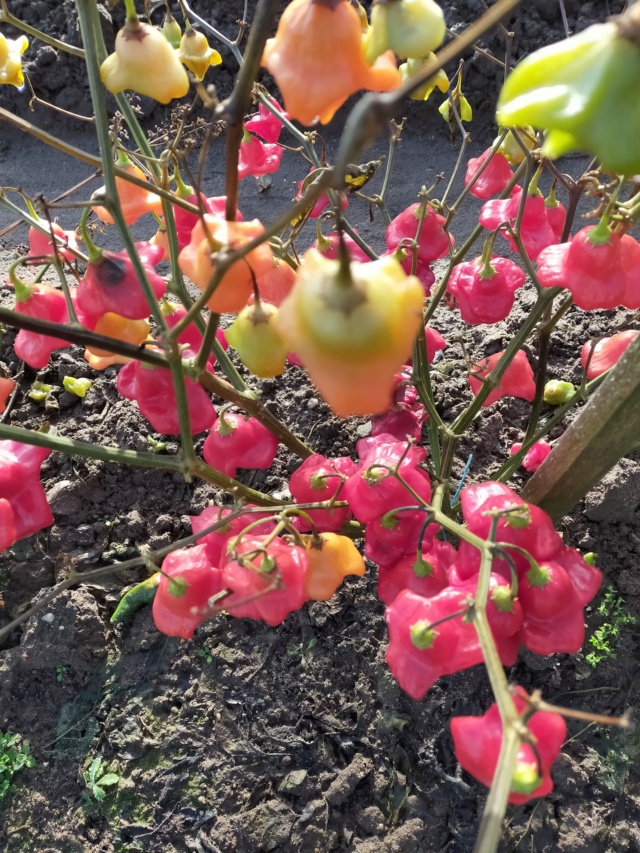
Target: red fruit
(216, 542)
(258, 158)
(391, 537)
(329, 247)
(535, 456)
(533, 530)
(373, 490)
(477, 742)
(425, 576)
(606, 352)
(179, 607)
(40, 244)
(321, 479)
(495, 177)
(433, 242)
(592, 267)
(45, 303)
(485, 294)
(239, 442)
(516, 381)
(536, 231)
(110, 284)
(545, 590)
(153, 390)
(20, 487)
(268, 581)
(419, 655)
(265, 123)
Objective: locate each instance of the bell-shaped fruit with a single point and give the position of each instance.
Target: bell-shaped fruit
(11, 51)
(198, 260)
(255, 337)
(196, 54)
(583, 92)
(144, 62)
(352, 327)
(317, 60)
(412, 66)
(410, 28)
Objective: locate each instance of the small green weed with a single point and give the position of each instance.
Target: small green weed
(96, 781)
(302, 651)
(60, 672)
(605, 638)
(205, 653)
(14, 755)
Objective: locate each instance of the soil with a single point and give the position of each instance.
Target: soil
(297, 738)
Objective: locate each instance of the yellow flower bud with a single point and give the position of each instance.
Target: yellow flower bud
(144, 62)
(10, 63)
(196, 54)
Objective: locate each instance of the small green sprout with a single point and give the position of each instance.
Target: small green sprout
(14, 755)
(96, 781)
(605, 638)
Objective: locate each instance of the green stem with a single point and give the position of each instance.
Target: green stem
(7, 18)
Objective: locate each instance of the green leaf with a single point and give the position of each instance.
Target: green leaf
(109, 779)
(98, 793)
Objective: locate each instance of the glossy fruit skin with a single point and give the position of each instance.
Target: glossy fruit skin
(535, 456)
(606, 352)
(251, 600)
(110, 284)
(134, 201)
(390, 538)
(317, 61)
(217, 540)
(47, 303)
(516, 381)
(433, 242)
(495, 177)
(331, 559)
(536, 231)
(144, 62)
(191, 338)
(11, 51)
(114, 326)
(178, 615)
(321, 479)
(238, 442)
(40, 244)
(352, 336)
(6, 390)
(485, 299)
(329, 247)
(477, 743)
(153, 390)
(275, 284)
(255, 337)
(186, 221)
(593, 271)
(425, 577)
(257, 157)
(410, 28)
(196, 54)
(411, 67)
(372, 491)
(582, 92)
(454, 646)
(20, 488)
(265, 124)
(406, 415)
(197, 261)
